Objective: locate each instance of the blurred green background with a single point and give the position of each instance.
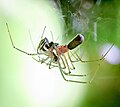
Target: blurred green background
(26, 83)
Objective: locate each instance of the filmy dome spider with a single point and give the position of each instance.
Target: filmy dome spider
(55, 55)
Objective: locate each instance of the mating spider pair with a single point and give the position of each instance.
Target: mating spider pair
(54, 55)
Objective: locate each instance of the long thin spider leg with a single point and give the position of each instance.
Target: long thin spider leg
(67, 63)
(64, 66)
(15, 46)
(77, 75)
(52, 36)
(51, 61)
(50, 64)
(70, 60)
(33, 45)
(31, 40)
(94, 74)
(69, 74)
(43, 60)
(75, 57)
(61, 71)
(39, 39)
(36, 59)
(43, 32)
(102, 58)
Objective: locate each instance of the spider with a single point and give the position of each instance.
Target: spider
(55, 55)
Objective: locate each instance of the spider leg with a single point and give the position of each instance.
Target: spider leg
(70, 60)
(44, 61)
(49, 63)
(64, 66)
(69, 73)
(61, 71)
(100, 59)
(94, 74)
(52, 66)
(15, 46)
(31, 40)
(67, 63)
(75, 57)
(36, 59)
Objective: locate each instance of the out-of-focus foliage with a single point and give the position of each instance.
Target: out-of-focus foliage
(81, 15)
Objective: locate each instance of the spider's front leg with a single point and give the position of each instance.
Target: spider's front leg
(31, 54)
